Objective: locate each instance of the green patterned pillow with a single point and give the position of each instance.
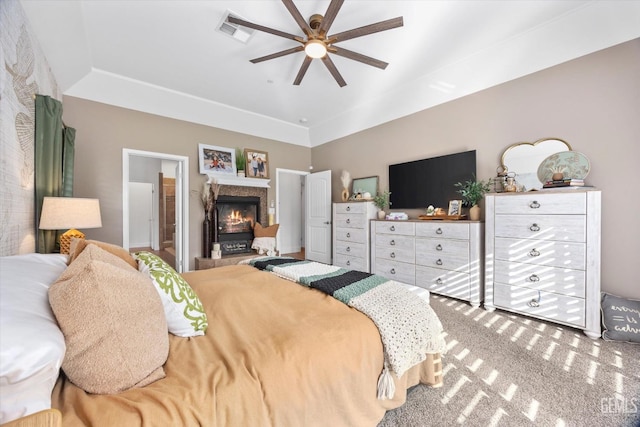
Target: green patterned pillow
(185, 315)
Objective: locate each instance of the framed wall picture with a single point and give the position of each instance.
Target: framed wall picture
(257, 163)
(455, 207)
(216, 160)
(365, 185)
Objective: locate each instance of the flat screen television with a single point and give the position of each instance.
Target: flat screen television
(420, 183)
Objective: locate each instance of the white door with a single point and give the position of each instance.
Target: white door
(140, 214)
(318, 217)
(177, 240)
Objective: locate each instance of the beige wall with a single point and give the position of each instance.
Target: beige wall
(592, 102)
(103, 131)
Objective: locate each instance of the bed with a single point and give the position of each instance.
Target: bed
(271, 353)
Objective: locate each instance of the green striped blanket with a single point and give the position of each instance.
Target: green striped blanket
(408, 326)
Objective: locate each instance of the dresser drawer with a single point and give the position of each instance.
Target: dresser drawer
(349, 248)
(347, 208)
(554, 254)
(451, 283)
(542, 304)
(395, 227)
(569, 228)
(542, 278)
(447, 230)
(395, 242)
(442, 253)
(402, 254)
(394, 270)
(351, 235)
(541, 204)
(351, 221)
(350, 262)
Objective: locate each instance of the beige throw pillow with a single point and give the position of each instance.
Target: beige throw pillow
(79, 245)
(114, 327)
(260, 231)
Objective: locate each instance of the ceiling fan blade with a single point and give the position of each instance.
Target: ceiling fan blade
(367, 29)
(248, 24)
(358, 57)
(278, 54)
(293, 10)
(303, 70)
(333, 70)
(329, 16)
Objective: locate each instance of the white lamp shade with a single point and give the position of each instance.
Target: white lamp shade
(61, 213)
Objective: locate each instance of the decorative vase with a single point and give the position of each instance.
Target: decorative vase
(474, 213)
(206, 237)
(381, 214)
(345, 195)
(214, 223)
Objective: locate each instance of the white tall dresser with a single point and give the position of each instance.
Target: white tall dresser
(351, 237)
(542, 256)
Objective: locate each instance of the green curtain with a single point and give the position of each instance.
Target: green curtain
(54, 148)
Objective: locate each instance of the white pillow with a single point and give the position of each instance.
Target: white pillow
(182, 307)
(31, 343)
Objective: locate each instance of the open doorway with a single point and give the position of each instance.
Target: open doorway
(155, 208)
(290, 212)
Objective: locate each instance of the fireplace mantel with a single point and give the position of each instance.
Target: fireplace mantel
(240, 181)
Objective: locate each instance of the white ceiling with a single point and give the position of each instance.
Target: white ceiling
(166, 57)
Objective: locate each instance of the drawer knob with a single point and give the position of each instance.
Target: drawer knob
(533, 252)
(439, 230)
(392, 228)
(393, 255)
(348, 262)
(439, 281)
(348, 220)
(348, 235)
(393, 271)
(348, 248)
(534, 278)
(348, 208)
(535, 302)
(439, 247)
(439, 262)
(534, 227)
(392, 243)
(534, 204)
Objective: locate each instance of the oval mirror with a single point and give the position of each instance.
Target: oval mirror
(524, 158)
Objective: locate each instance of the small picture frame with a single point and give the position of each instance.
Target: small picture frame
(215, 160)
(455, 207)
(257, 163)
(360, 186)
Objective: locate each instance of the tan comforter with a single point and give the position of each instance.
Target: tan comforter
(275, 354)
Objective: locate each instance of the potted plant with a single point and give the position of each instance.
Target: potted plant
(472, 191)
(381, 200)
(241, 162)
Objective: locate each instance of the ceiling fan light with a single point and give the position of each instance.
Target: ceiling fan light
(315, 49)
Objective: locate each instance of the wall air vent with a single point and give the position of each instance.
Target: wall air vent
(242, 34)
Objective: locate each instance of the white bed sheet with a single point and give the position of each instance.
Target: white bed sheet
(31, 344)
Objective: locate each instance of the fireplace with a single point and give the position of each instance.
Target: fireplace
(236, 218)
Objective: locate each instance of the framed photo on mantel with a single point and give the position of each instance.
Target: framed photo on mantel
(257, 163)
(216, 160)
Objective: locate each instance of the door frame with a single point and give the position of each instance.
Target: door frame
(182, 205)
(278, 181)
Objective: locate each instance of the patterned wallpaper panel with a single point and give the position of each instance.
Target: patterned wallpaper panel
(24, 71)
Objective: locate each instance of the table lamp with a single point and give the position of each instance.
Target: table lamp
(60, 213)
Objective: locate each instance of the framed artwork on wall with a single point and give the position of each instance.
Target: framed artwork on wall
(216, 160)
(361, 186)
(257, 163)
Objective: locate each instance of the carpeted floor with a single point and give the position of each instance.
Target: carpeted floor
(503, 369)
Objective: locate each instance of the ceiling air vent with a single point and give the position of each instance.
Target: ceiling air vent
(242, 34)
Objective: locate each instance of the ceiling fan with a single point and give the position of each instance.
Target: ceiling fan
(316, 44)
